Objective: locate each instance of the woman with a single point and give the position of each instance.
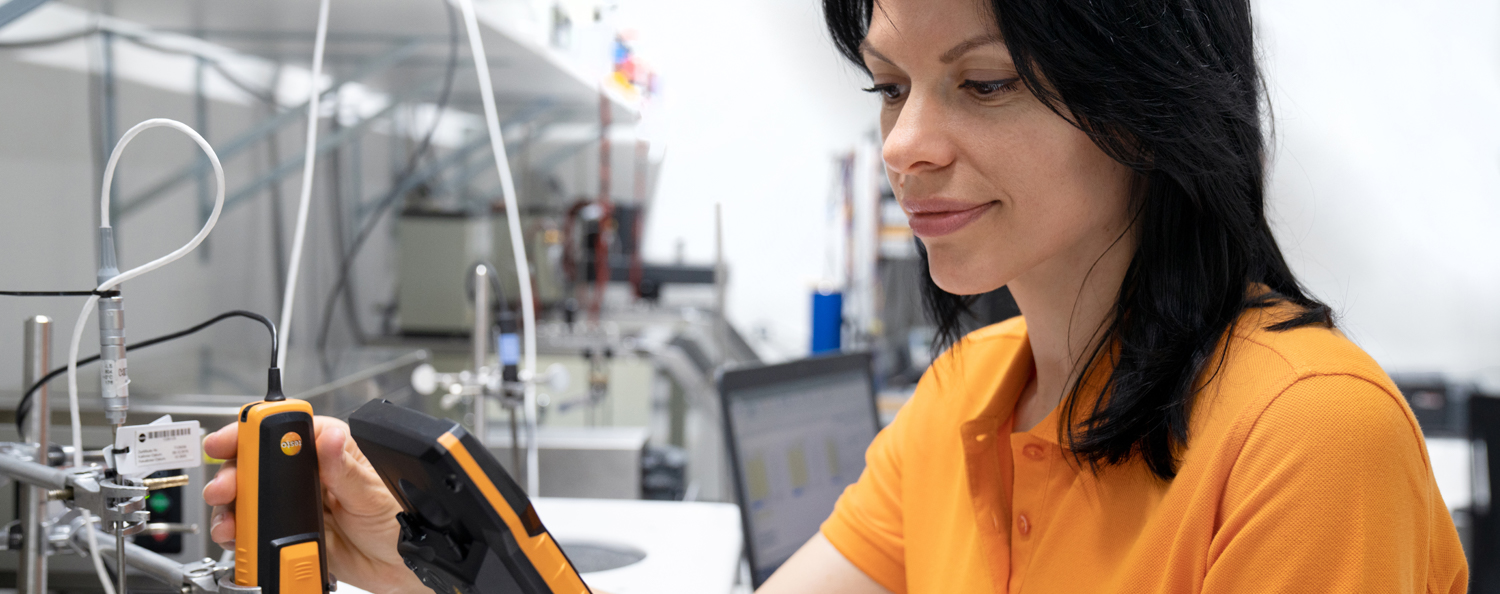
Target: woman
(1172, 413)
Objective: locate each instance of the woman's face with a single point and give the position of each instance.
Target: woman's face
(995, 184)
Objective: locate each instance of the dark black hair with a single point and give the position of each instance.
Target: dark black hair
(1171, 89)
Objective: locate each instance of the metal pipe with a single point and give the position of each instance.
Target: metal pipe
(153, 564)
(481, 340)
(200, 116)
(294, 164)
(32, 473)
(32, 570)
(721, 320)
(354, 378)
(267, 127)
(515, 444)
(120, 559)
(16, 9)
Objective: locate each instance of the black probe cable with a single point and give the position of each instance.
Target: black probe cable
(24, 406)
(346, 264)
(109, 293)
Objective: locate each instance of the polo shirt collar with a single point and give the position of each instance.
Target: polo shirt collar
(1002, 391)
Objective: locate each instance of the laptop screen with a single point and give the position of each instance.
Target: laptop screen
(798, 434)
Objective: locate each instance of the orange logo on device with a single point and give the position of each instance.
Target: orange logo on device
(291, 443)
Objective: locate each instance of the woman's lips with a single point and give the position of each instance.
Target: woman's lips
(939, 218)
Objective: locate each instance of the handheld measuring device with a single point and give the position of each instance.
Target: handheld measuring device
(466, 527)
(278, 530)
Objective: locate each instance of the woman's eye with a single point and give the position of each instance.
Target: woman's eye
(889, 92)
(988, 88)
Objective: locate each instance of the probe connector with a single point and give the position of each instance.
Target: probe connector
(114, 375)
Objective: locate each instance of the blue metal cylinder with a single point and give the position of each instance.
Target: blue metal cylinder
(827, 321)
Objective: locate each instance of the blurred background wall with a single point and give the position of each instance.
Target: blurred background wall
(1386, 181)
(1384, 186)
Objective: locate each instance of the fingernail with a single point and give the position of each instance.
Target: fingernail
(218, 519)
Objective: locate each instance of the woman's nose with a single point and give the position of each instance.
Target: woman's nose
(918, 141)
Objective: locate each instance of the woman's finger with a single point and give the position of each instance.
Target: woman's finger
(221, 490)
(222, 444)
(351, 482)
(222, 530)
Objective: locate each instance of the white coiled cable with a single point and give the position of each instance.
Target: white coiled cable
(89, 304)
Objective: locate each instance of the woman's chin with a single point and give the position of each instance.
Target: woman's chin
(959, 283)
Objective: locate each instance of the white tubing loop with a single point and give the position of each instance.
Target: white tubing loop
(309, 165)
(517, 241)
(91, 301)
(88, 519)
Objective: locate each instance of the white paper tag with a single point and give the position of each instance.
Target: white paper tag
(144, 449)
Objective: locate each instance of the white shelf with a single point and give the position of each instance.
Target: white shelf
(525, 70)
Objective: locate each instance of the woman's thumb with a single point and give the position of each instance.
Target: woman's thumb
(347, 476)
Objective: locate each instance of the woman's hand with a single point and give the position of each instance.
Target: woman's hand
(359, 514)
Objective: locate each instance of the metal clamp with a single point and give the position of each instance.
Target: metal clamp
(115, 503)
(227, 586)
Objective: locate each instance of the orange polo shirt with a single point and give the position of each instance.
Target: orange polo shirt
(1304, 471)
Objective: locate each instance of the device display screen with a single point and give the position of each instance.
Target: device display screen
(799, 444)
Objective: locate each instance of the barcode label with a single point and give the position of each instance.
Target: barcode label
(158, 446)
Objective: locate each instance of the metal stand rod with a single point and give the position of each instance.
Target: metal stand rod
(153, 564)
(32, 568)
(119, 531)
(481, 348)
(515, 446)
(120, 558)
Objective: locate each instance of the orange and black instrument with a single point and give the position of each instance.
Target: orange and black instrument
(466, 526)
(278, 531)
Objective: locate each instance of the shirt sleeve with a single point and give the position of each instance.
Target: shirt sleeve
(866, 524)
(1332, 492)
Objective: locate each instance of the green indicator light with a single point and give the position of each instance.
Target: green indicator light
(159, 503)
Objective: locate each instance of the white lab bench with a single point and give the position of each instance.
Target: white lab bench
(691, 547)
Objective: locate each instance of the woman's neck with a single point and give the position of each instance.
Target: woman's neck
(1067, 301)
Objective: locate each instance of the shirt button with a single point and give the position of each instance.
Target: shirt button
(1024, 525)
(1033, 451)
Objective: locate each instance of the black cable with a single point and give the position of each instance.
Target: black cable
(109, 293)
(346, 264)
(336, 180)
(273, 191)
(24, 406)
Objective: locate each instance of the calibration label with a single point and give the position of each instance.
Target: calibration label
(159, 446)
(115, 380)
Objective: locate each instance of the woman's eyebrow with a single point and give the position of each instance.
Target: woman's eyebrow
(969, 44)
(949, 56)
(864, 48)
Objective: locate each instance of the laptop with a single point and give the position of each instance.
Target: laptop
(797, 437)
